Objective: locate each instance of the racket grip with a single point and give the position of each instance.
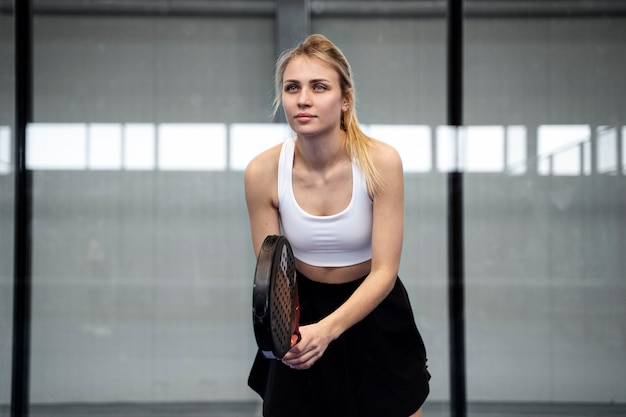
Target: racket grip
(296, 337)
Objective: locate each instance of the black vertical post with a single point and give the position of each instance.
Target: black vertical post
(455, 62)
(22, 238)
(456, 301)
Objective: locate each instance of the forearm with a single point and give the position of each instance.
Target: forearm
(372, 291)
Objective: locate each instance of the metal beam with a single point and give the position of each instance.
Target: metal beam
(164, 8)
(293, 23)
(547, 8)
(473, 9)
(325, 8)
(436, 8)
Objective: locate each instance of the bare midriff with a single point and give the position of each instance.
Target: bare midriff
(334, 275)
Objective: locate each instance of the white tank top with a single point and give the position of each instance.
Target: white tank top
(340, 239)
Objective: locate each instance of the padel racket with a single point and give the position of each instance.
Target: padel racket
(275, 305)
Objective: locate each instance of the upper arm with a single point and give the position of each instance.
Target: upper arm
(261, 185)
(388, 211)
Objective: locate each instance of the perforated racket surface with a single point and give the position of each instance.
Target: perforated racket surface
(275, 307)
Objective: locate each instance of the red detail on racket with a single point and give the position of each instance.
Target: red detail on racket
(275, 305)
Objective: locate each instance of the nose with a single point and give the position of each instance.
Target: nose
(304, 98)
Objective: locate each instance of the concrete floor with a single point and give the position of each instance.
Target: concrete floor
(252, 409)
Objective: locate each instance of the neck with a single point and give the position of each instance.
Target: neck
(321, 153)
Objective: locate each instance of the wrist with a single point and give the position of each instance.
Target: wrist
(332, 327)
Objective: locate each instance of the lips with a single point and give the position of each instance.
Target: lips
(304, 116)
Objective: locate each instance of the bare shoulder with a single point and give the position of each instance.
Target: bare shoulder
(264, 166)
(386, 157)
(261, 180)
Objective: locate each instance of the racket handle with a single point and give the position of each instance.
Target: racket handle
(296, 337)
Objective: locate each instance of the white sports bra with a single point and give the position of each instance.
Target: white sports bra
(340, 239)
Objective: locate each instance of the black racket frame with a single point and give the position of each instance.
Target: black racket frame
(268, 262)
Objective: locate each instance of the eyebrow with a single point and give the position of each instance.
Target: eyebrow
(314, 81)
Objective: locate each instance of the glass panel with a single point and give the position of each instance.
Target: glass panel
(545, 243)
(141, 251)
(399, 70)
(142, 262)
(7, 204)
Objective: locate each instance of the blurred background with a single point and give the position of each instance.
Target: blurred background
(146, 112)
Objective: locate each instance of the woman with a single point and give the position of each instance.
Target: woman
(338, 197)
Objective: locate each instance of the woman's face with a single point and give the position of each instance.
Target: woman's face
(312, 97)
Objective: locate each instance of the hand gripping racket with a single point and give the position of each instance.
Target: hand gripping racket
(275, 305)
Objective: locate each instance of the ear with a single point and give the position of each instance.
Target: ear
(347, 99)
(346, 103)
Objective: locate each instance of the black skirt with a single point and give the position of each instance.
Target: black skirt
(377, 368)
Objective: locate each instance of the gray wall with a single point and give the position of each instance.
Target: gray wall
(6, 212)
(141, 279)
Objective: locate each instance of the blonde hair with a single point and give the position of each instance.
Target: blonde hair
(356, 142)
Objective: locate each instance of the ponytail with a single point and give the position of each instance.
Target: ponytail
(358, 145)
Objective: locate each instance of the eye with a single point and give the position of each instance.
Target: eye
(290, 88)
(319, 87)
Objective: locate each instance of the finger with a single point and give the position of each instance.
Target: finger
(304, 365)
(294, 352)
(292, 360)
(304, 361)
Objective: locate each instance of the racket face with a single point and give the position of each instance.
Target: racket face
(282, 299)
(275, 297)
